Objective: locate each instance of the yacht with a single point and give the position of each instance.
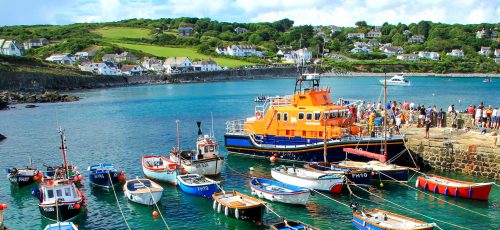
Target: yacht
(398, 79)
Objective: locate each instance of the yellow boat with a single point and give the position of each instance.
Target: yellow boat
(295, 128)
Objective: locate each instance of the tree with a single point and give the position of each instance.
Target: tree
(283, 25)
(254, 39)
(361, 24)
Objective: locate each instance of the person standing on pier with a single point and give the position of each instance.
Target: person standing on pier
(427, 126)
(440, 118)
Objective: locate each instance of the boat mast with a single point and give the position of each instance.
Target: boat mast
(324, 139)
(63, 151)
(385, 115)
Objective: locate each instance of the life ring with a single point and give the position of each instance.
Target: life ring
(258, 114)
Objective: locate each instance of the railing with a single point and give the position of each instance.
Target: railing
(235, 126)
(274, 101)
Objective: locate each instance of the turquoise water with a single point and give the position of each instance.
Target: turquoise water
(118, 125)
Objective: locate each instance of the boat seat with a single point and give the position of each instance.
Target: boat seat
(237, 203)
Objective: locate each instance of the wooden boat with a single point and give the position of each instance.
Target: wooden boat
(160, 168)
(61, 226)
(197, 185)
(60, 200)
(456, 188)
(24, 176)
(381, 219)
(359, 177)
(287, 224)
(308, 178)
(378, 169)
(278, 191)
(205, 160)
(143, 191)
(239, 206)
(105, 175)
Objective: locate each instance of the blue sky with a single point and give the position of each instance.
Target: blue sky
(314, 12)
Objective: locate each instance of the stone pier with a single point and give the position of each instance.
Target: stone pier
(469, 153)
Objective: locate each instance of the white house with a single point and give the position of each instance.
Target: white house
(131, 70)
(84, 54)
(206, 65)
(241, 50)
(178, 64)
(303, 55)
(33, 43)
(221, 50)
(407, 32)
(374, 34)
(153, 64)
(416, 39)
(363, 49)
(11, 48)
(101, 69)
(356, 35)
(393, 50)
(486, 51)
(428, 55)
(359, 44)
(456, 53)
(63, 59)
(497, 52)
(372, 43)
(287, 55)
(407, 57)
(334, 29)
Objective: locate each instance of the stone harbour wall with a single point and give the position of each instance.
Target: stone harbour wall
(470, 159)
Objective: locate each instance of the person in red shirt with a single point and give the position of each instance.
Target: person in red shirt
(470, 110)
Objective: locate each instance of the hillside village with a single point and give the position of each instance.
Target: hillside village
(254, 44)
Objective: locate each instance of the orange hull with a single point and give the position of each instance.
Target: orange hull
(463, 189)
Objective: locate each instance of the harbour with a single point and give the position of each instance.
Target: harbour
(119, 125)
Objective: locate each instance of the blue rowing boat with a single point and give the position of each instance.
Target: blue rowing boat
(197, 185)
(105, 175)
(278, 191)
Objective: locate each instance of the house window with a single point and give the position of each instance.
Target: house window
(309, 116)
(285, 116)
(317, 116)
(278, 116)
(67, 191)
(301, 116)
(59, 193)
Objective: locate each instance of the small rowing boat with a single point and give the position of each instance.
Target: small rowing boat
(239, 206)
(197, 185)
(308, 178)
(381, 219)
(160, 168)
(105, 175)
(61, 226)
(287, 224)
(456, 188)
(24, 176)
(278, 191)
(143, 191)
(359, 177)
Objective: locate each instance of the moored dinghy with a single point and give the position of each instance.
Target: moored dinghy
(197, 185)
(60, 200)
(105, 175)
(308, 178)
(61, 226)
(381, 219)
(287, 224)
(160, 168)
(278, 191)
(24, 176)
(456, 188)
(392, 172)
(143, 191)
(239, 206)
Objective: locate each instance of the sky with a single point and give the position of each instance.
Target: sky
(312, 12)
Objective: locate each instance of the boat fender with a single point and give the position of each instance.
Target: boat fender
(470, 191)
(253, 192)
(219, 208)
(237, 213)
(226, 211)
(214, 206)
(425, 186)
(435, 188)
(456, 191)
(416, 182)
(446, 191)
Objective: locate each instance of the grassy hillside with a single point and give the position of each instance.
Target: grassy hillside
(118, 33)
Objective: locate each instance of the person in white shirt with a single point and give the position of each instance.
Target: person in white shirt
(484, 118)
(450, 108)
(479, 112)
(412, 105)
(494, 118)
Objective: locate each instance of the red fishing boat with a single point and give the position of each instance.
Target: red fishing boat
(456, 188)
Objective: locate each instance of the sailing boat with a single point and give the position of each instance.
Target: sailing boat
(381, 169)
(60, 199)
(205, 160)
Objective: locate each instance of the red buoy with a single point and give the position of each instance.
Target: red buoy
(77, 206)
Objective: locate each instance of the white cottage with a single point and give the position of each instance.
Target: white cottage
(206, 65)
(178, 64)
(11, 48)
(63, 59)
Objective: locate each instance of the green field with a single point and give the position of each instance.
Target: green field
(117, 33)
(162, 51)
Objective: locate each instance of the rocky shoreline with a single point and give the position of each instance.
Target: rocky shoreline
(11, 98)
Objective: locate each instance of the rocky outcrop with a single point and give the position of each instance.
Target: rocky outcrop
(45, 97)
(2, 137)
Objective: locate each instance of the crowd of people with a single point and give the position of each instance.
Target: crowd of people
(417, 115)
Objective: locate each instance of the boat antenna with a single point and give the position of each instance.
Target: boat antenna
(213, 131)
(324, 140)
(63, 151)
(385, 114)
(198, 123)
(178, 136)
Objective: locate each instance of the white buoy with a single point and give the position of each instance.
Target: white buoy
(226, 211)
(251, 168)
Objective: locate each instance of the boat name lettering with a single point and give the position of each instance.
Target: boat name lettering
(99, 176)
(48, 209)
(200, 165)
(203, 188)
(360, 175)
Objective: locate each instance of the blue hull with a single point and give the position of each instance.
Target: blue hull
(360, 224)
(203, 190)
(399, 175)
(294, 149)
(101, 178)
(359, 178)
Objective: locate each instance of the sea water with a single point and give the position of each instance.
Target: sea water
(118, 125)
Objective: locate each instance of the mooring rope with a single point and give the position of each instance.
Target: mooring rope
(268, 208)
(317, 192)
(152, 197)
(441, 199)
(409, 210)
(409, 153)
(118, 202)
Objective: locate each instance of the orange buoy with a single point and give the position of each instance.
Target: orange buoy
(155, 214)
(4, 206)
(381, 184)
(77, 206)
(80, 177)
